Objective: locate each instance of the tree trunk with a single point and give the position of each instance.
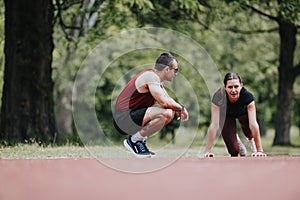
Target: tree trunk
(287, 33)
(27, 101)
(64, 119)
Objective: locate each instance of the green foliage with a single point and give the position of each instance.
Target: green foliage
(290, 11)
(139, 4)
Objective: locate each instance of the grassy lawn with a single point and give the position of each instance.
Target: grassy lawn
(186, 145)
(281, 150)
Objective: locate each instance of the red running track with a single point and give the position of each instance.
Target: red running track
(271, 178)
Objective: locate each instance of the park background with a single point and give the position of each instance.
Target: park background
(44, 45)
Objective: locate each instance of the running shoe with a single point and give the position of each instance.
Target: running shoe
(151, 153)
(243, 150)
(252, 145)
(139, 148)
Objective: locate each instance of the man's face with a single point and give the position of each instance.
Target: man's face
(173, 70)
(233, 88)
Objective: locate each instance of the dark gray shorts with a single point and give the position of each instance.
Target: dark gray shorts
(129, 122)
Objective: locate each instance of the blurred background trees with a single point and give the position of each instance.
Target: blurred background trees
(257, 39)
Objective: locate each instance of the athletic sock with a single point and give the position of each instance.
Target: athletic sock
(138, 137)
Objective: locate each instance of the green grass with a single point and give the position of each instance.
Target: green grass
(37, 151)
(187, 145)
(293, 150)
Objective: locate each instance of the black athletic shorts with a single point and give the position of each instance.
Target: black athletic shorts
(129, 122)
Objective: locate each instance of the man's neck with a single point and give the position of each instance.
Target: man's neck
(160, 75)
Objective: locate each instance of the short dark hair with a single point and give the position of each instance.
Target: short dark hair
(165, 59)
(230, 76)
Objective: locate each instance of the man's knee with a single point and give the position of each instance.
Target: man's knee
(168, 115)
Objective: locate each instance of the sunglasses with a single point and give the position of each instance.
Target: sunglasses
(175, 69)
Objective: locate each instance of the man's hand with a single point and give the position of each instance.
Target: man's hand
(179, 113)
(183, 115)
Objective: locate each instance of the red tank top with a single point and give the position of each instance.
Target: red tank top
(130, 98)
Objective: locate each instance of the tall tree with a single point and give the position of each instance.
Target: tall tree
(287, 76)
(27, 101)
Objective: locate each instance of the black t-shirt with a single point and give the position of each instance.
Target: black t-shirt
(233, 109)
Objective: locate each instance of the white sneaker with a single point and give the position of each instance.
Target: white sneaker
(243, 150)
(252, 145)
